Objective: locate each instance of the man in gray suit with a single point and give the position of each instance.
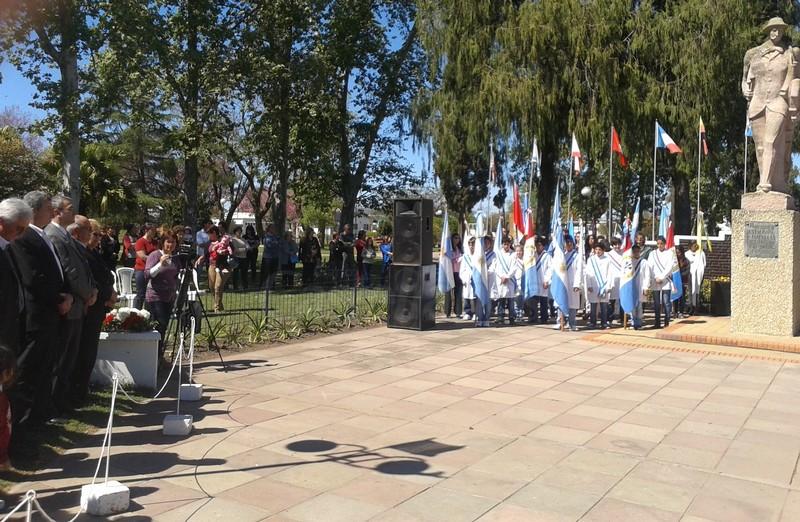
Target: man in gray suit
(79, 282)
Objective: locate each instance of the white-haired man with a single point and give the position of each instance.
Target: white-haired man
(15, 216)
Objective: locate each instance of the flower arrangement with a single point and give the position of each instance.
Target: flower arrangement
(127, 320)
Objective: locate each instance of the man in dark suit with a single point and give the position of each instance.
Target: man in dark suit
(79, 281)
(15, 216)
(45, 302)
(88, 234)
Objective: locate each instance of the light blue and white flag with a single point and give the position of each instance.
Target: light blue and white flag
(445, 278)
(498, 249)
(480, 280)
(629, 291)
(558, 283)
(748, 131)
(635, 223)
(663, 220)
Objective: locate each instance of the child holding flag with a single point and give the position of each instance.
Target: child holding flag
(598, 285)
(505, 286)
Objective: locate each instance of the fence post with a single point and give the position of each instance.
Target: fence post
(355, 296)
(266, 299)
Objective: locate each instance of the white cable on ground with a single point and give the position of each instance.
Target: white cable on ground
(26, 501)
(163, 387)
(191, 348)
(105, 450)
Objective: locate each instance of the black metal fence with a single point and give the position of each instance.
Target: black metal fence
(291, 302)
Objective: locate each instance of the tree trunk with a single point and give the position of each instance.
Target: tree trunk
(546, 190)
(194, 133)
(190, 191)
(349, 200)
(71, 140)
(682, 212)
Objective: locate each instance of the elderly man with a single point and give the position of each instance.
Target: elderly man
(46, 300)
(15, 216)
(88, 235)
(78, 277)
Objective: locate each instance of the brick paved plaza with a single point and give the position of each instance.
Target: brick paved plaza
(457, 424)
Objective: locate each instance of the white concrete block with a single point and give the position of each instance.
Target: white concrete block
(177, 424)
(191, 392)
(105, 499)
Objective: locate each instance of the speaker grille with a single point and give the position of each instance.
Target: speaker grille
(411, 312)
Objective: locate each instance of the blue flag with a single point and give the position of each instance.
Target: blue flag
(480, 280)
(558, 283)
(629, 290)
(445, 278)
(677, 282)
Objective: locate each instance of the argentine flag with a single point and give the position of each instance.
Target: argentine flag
(558, 283)
(530, 275)
(498, 248)
(677, 282)
(663, 220)
(480, 280)
(445, 278)
(629, 291)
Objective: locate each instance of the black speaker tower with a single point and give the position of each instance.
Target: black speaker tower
(412, 274)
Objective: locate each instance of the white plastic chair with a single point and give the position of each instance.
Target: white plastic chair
(193, 294)
(126, 294)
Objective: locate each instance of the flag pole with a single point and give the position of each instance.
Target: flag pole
(699, 159)
(610, 172)
(655, 156)
(746, 142)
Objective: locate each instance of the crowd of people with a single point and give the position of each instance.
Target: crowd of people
(57, 281)
(56, 289)
(593, 281)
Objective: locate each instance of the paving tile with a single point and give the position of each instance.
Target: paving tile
(268, 495)
(611, 509)
(333, 508)
(213, 509)
(548, 501)
(379, 490)
(440, 503)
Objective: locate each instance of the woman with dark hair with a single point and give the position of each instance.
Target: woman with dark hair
(128, 255)
(252, 241)
(109, 247)
(453, 302)
(335, 258)
(685, 267)
(161, 270)
(310, 255)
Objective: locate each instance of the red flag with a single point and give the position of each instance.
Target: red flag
(703, 137)
(617, 148)
(670, 234)
(519, 222)
(530, 226)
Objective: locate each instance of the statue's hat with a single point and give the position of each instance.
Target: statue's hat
(775, 22)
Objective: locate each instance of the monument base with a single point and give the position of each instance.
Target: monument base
(765, 266)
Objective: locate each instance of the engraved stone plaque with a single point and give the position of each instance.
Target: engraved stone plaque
(761, 239)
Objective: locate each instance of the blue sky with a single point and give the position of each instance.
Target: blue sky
(17, 91)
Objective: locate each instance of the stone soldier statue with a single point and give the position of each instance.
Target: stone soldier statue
(770, 84)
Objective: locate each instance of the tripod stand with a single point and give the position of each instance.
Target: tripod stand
(188, 305)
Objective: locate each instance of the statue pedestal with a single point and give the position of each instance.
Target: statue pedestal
(765, 266)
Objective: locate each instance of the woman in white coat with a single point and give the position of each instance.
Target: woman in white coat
(598, 285)
(465, 272)
(506, 271)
